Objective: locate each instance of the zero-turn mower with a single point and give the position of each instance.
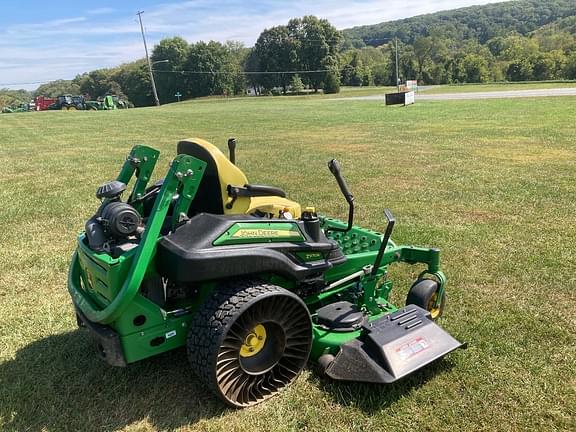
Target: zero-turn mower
(252, 284)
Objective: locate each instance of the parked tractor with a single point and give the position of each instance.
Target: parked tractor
(109, 102)
(68, 103)
(15, 108)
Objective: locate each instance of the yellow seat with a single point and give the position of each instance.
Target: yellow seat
(213, 196)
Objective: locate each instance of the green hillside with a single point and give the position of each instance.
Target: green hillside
(479, 23)
(527, 40)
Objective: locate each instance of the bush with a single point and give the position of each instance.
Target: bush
(296, 84)
(332, 83)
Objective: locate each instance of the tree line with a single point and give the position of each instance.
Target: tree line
(309, 54)
(213, 68)
(529, 40)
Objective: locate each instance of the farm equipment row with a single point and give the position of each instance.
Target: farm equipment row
(69, 103)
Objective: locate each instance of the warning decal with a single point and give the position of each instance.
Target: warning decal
(410, 349)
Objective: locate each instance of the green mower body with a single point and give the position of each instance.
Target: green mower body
(250, 283)
(107, 103)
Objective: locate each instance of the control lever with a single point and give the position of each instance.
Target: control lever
(232, 150)
(387, 234)
(334, 168)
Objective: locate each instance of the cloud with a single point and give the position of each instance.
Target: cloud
(52, 26)
(66, 47)
(100, 11)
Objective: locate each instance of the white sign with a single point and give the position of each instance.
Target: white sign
(409, 98)
(412, 84)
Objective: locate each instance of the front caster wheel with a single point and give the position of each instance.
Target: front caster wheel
(249, 340)
(424, 293)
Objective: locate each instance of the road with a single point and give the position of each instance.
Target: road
(553, 92)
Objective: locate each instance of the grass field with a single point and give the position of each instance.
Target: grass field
(491, 183)
(509, 86)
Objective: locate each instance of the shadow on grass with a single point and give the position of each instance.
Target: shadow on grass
(59, 384)
(372, 398)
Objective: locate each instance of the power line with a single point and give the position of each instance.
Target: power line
(184, 72)
(226, 72)
(292, 39)
(36, 82)
(29, 83)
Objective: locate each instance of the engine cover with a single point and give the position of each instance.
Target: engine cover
(214, 247)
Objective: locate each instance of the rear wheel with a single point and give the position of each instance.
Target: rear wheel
(424, 293)
(249, 340)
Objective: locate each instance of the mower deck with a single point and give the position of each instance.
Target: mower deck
(391, 347)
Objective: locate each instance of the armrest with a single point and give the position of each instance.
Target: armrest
(250, 190)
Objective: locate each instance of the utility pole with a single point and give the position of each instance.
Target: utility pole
(156, 100)
(397, 78)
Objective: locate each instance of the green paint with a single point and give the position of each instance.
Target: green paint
(147, 247)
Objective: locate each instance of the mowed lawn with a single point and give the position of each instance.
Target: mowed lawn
(494, 87)
(492, 183)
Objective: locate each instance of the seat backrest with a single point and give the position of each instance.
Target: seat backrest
(212, 193)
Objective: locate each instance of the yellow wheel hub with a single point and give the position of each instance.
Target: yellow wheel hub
(254, 341)
(434, 311)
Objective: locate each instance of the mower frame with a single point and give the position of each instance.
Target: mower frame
(123, 276)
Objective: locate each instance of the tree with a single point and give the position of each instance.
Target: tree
(211, 70)
(99, 83)
(355, 73)
(549, 65)
(251, 64)
(13, 97)
(422, 50)
(381, 74)
(317, 47)
(296, 84)
(237, 55)
(570, 67)
(520, 70)
(406, 63)
(332, 83)
(173, 53)
(57, 88)
(134, 80)
(309, 44)
(276, 51)
(473, 69)
(520, 53)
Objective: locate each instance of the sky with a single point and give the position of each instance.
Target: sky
(45, 40)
